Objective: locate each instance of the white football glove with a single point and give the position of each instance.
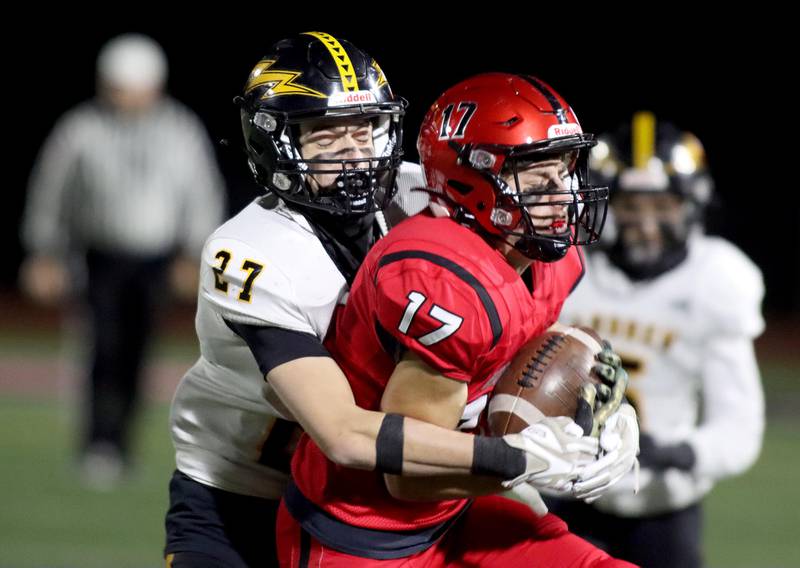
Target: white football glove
(556, 452)
(619, 445)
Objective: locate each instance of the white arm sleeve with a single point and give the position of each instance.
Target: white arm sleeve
(728, 440)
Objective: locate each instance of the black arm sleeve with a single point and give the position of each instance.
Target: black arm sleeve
(274, 346)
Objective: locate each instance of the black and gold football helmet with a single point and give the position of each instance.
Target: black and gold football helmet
(316, 77)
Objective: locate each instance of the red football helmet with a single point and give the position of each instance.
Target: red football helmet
(477, 138)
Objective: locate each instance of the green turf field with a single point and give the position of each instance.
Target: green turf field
(46, 519)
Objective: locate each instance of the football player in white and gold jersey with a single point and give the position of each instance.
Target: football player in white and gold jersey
(682, 309)
(323, 136)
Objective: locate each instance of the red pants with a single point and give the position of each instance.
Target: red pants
(493, 532)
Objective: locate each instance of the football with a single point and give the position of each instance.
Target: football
(544, 379)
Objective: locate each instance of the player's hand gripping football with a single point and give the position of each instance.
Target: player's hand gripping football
(601, 412)
(597, 403)
(580, 458)
(556, 451)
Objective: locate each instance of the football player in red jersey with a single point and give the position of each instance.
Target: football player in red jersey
(299, 248)
(437, 310)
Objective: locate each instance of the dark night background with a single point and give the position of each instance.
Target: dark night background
(730, 79)
(724, 89)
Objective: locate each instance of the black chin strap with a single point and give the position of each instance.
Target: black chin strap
(542, 249)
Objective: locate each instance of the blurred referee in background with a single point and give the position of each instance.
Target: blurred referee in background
(123, 194)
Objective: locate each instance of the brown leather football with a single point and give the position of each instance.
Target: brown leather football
(544, 379)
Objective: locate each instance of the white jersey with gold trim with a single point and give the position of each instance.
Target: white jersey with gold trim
(265, 266)
(686, 338)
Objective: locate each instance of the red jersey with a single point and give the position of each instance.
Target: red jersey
(438, 289)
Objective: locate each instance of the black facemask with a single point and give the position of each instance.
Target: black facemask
(674, 252)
